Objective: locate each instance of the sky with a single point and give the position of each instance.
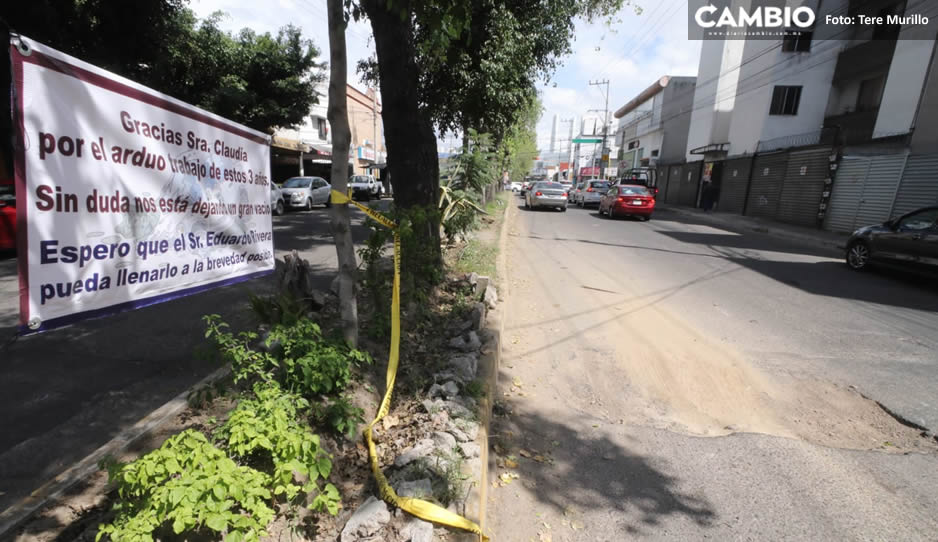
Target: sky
(632, 51)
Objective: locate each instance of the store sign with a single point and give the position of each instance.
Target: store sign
(366, 153)
(127, 197)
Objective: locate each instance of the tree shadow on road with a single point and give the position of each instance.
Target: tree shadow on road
(586, 470)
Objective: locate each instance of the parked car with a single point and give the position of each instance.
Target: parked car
(546, 194)
(276, 200)
(628, 200)
(909, 242)
(7, 217)
(365, 187)
(515, 186)
(304, 192)
(591, 192)
(574, 192)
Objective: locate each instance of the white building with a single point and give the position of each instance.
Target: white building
(838, 84)
(653, 125)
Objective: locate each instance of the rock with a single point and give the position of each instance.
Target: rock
(481, 285)
(470, 449)
(477, 316)
(444, 441)
(317, 299)
(417, 489)
(455, 409)
(472, 278)
(457, 433)
(490, 297)
(467, 343)
(467, 402)
(468, 428)
(415, 452)
(451, 389)
(465, 367)
(436, 390)
(440, 418)
(366, 521)
(417, 530)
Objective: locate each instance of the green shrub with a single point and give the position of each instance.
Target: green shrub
(340, 415)
(189, 484)
(264, 431)
(300, 359)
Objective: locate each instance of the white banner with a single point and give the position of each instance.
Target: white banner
(125, 196)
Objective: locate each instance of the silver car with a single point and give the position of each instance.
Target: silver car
(546, 194)
(592, 192)
(304, 192)
(276, 200)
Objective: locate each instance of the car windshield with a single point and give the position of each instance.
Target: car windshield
(298, 182)
(359, 179)
(634, 191)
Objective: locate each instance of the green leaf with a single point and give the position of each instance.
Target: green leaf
(216, 522)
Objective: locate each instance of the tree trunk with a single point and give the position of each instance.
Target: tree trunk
(338, 118)
(412, 155)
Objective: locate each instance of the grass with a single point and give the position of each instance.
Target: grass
(479, 255)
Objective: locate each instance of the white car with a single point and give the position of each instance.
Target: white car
(515, 186)
(365, 187)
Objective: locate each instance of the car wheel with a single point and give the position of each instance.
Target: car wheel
(278, 210)
(858, 255)
(328, 202)
(563, 209)
(309, 204)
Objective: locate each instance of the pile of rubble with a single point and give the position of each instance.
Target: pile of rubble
(445, 461)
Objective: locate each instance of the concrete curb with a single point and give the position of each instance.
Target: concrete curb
(17, 514)
(477, 501)
(766, 228)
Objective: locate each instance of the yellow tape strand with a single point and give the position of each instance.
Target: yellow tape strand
(417, 507)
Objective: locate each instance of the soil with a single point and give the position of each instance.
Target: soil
(76, 515)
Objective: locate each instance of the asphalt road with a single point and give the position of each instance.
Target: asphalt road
(66, 392)
(674, 380)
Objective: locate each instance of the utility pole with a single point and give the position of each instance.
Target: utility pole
(604, 155)
(374, 126)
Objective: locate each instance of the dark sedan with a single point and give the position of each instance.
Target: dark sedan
(909, 242)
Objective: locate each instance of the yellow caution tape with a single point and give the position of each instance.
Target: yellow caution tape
(417, 507)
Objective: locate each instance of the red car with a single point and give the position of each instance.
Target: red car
(628, 200)
(7, 217)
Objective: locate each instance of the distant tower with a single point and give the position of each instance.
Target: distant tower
(553, 135)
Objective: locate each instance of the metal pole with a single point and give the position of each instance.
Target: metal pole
(602, 155)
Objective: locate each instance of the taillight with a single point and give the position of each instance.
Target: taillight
(621, 198)
(564, 195)
(589, 189)
(538, 194)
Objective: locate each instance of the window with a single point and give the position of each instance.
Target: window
(871, 92)
(797, 41)
(323, 128)
(654, 153)
(785, 100)
(919, 221)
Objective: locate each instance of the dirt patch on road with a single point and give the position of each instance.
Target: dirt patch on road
(708, 389)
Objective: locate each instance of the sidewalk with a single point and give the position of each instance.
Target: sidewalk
(835, 242)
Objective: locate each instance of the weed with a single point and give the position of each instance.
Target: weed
(475, 389)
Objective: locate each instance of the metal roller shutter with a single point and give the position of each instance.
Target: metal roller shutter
(662, 182)
(733, 185)
(674, 183)
(688, 181)
(803, 185)
(879, 190)
(768, 174)
(846, 193)
(919, 185)
(864, 191)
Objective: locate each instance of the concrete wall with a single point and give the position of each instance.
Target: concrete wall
(903, 91)
(678, 99)
(925, 137)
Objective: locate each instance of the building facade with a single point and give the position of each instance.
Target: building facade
(653, 126)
